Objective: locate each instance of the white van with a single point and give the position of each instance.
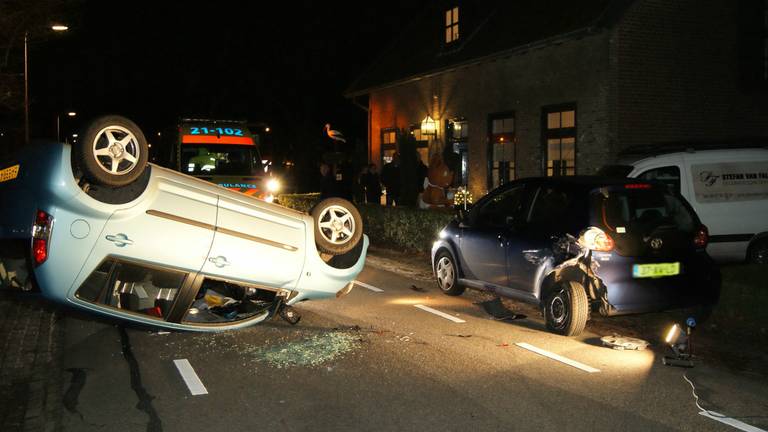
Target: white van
(728, 188)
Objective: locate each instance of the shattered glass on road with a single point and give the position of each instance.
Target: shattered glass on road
(311, 351)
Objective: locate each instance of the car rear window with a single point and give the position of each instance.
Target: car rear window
(639, 207)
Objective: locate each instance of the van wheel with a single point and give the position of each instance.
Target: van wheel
(338, 226)
(758, 252)
(447, 275)
(566, 309)
(112, 151)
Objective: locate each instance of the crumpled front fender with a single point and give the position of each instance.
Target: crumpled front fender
(579, 269)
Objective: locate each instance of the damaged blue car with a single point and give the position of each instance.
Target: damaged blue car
(573, 245)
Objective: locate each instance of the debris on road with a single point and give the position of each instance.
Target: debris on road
(312, 351)
(418, 289)
(622, 343)
(497, 311)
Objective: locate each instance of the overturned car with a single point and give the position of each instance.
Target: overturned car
(576, 244)
(96, 226)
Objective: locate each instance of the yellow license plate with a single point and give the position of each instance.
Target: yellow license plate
(10, 173)
(655, 270)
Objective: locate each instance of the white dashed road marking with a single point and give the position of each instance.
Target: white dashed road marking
(193, 382)
(730, 422)
(441, 314)
(556, 357)
(370, 287)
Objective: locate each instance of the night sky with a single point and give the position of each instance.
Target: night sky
(283, 63)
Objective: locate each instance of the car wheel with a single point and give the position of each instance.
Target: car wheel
(758, 252)
(566, 309)
(447, 275)
(112, 151)
(338, 226)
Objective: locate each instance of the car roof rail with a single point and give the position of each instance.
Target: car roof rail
(693, 146)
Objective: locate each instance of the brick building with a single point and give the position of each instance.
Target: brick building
(558, 87)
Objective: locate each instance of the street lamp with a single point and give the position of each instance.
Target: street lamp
(58, 123)
(56, 28)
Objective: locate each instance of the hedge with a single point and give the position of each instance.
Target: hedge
(392, 227)
(300, 202)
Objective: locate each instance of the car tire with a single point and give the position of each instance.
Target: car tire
(447, 274)
(566, 309)
(338, 226)
(758, 252)
(112, 151)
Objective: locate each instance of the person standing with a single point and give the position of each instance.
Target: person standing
(327, 182)
(390, 177)
(372, 184)
(359, 185)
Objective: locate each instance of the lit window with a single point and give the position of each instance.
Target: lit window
(388, 144)
(388, 137)
(560, 141)
(452, 25)
(502, 148)
(458, 138)
(422, 143)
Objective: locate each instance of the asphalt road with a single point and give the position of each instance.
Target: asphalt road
(373, 361)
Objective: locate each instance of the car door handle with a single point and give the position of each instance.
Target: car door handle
(120, 240)
(219, 261)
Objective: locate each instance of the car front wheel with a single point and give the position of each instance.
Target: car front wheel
(447, 275)
(566, 309)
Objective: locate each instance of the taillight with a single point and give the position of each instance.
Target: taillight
(596, 239)
(637, 186)
(41, 233)
(701, 237)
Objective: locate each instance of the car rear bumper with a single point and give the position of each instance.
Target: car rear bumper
(320, 280)
(698, 283)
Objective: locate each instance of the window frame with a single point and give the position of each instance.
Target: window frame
(420, 143)
(460, 146)
(521, 218)
(558, 133)
(387, 146)
(196, 285)
(490, 151)
(114, 262)
(451, 26)
(562, 226)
